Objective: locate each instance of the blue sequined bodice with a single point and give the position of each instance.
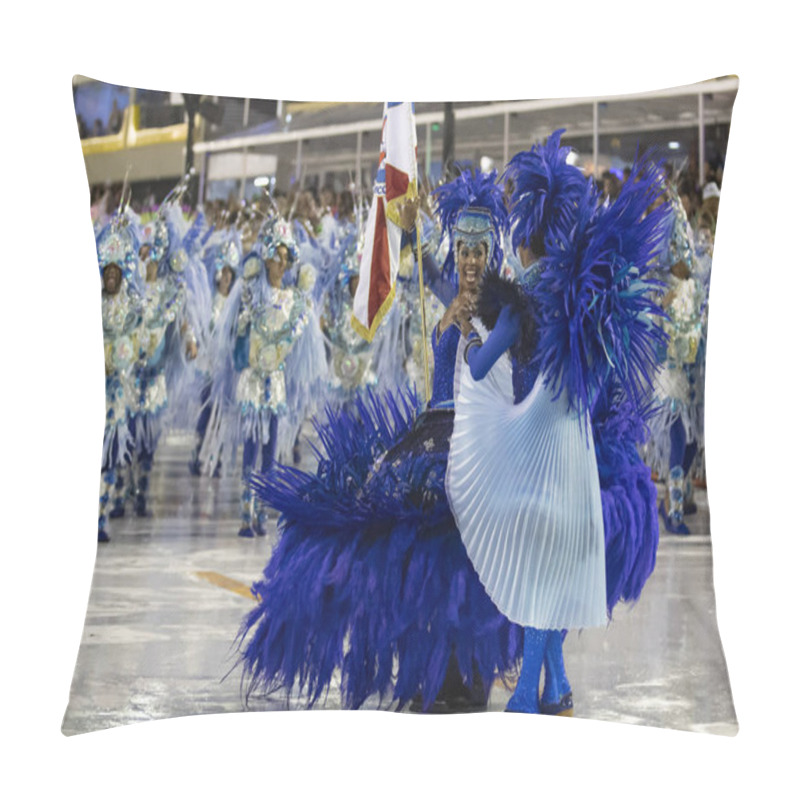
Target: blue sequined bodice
(523, 376)
(445, 348)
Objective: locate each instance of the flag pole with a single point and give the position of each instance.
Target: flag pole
(422, 307)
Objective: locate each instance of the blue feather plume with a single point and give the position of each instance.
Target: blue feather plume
(628, 496)
(361, 582)
(546, 190)
(596, 297)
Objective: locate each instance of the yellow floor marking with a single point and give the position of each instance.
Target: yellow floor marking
(224, 582)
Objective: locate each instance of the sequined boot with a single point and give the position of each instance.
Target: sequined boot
(525, 699)
(195, 467)
(140, 499)
(673, 518)
(119, 493)
(557, 693)
(106, 482)
(246, 507)
(260, 518)
(689, 505)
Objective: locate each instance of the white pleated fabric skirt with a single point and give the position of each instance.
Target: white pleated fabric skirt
(524, 489)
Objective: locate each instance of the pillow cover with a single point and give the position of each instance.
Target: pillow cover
(242, 247)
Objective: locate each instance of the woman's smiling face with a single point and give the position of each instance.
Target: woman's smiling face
(471, 261)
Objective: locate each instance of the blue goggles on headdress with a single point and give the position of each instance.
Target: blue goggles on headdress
(474, 226)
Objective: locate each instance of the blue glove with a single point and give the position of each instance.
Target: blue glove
(481, 358)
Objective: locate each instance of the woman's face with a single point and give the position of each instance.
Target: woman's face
(225, 281)
(276, 266)
(471, 263)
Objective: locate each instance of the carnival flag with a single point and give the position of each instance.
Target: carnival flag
(395, 181)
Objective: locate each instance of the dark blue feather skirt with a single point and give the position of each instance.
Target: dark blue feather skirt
(628, 495)
(370, 578)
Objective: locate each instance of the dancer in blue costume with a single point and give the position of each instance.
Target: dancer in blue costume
(676, 428)
(565, 525)
(370, 576)
(223, 259)
(122, 305)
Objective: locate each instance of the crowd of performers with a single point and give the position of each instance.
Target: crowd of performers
(440, 542)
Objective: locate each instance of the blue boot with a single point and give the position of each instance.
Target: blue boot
(246, 508)
(557, 693)
(525, 699)
(672, 514)
(102, 536)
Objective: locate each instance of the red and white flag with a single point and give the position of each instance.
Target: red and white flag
(395, 181)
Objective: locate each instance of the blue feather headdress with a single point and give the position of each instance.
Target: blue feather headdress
(228, 254)
(546, 190)
(274, 233)
(117, 243)
(471, 208)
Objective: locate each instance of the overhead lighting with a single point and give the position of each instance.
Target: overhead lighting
(674, 145)
(486, 164)
(572, 158)
(262, 180)
(288, 118)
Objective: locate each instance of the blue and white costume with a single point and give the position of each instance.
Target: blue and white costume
(222, 257)
(167, 332)
(349, 355)
(676, 428)
(272, 321)
(117, 246)
(556, 509)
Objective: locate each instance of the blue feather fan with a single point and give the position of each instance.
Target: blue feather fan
(596, 298)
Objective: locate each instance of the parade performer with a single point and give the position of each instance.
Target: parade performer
(350, 355)
(370, 576)
(223, 260)
(676, 428)
(166, 337)
(555, 507)
(117, 255)
(270, 319)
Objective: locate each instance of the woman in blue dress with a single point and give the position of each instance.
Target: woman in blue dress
(370, 577)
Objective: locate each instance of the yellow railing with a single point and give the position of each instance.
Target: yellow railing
(130, 135)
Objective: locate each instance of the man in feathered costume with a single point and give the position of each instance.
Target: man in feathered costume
(543, 462)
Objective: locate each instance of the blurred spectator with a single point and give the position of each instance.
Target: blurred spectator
(115, 118)
(610, 185)
(347, 207)
(689, 198)
(707, 216)
(327, 200)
